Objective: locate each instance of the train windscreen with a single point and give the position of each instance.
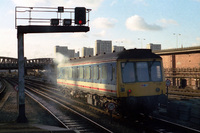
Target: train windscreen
(141, 71)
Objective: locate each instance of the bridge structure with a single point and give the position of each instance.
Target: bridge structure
(8, 63)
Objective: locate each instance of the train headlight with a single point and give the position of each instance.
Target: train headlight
(157, 89)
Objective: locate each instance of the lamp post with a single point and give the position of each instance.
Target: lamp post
(177, 35)
(141, 41)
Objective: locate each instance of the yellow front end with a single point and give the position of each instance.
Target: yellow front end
(138, 87)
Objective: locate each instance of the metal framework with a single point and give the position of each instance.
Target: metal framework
(27, 16)
(41, 20)
(7, 63)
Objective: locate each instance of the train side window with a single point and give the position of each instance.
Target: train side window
(62, 74)
(91, 70)
(113, 73)
(74, 73)
(70, 72)
(66, 76)
(104, 72)
(81, 72)
(96, 75)
(99, 70)
(156, 74)
(77, 72)
(87, 72)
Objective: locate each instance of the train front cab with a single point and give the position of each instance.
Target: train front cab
(140, 84)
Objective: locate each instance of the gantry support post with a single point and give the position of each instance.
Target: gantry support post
(21, 92)
(54, 27)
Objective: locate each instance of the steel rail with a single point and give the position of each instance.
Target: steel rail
(178, 125)
(95, 123)
(31, 96)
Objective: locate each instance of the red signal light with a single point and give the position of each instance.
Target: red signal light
(129, 91)
(80, 15)
(80, 21)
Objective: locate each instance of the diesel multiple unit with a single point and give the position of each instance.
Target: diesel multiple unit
(132, 80)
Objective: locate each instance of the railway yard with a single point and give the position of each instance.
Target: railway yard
(109, 88)
(48, 110)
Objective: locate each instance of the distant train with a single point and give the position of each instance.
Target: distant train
(132, 80)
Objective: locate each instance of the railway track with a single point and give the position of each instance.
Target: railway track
(145, 125)
(2, 86)
(185, 92)
(67, 116)
(162, 125)
(74, 103)
(159, 125)
(173, 127)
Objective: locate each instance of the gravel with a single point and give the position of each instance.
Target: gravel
(34, 113)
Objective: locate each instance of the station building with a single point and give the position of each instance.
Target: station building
(182, 66)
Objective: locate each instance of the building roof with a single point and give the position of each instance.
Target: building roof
(195, 49)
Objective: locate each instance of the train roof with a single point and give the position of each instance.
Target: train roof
(126, 54)
(137, 53)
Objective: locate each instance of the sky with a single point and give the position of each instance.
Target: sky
(128, 23)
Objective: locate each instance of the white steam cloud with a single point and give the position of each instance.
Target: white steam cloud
(61, 59)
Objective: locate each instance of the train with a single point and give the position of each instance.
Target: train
(131, 80)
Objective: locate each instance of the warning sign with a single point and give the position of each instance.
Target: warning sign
(111, 106)
(168, 82)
